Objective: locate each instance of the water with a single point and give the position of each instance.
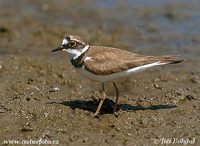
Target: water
(172, 24)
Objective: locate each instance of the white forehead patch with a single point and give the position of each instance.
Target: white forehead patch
(65, 42)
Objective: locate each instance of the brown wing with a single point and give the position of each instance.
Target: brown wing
(106, 60)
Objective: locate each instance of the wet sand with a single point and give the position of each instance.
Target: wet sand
(158, 104)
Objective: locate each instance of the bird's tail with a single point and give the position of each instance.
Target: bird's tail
(170, 59)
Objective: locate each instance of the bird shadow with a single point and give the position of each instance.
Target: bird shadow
(108, 106)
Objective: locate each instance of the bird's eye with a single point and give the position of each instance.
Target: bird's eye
(72, 44)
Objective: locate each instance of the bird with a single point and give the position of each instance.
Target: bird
(105, 64)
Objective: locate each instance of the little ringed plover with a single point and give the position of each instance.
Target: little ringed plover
(105, 64)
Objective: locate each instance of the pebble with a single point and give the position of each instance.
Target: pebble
(157, 86)
(45, 7)
(1, 67)
(189, 97)
(1, 111)
(195, 80)
(56, 89)
(34, 87)
(26, 129)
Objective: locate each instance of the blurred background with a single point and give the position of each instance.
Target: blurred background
(152, 27)
(30, 29)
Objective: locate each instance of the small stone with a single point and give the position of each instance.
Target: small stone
(115, 127)
(116, 114)
(195, 80)
(170, 15)
(189, 97)
(30, 80)
(46, 114)
(85, 139)
(56, 89)
(28, 99)
(2, 111)
(3, 29)
(112, 126)
(33, 87)
(157, 86)
(1, 67)
(26, 129)
(45, 7)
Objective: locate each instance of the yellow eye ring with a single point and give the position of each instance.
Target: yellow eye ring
(72, 44)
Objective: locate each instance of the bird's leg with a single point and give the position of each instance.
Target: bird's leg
(116, 98)
(102, 98)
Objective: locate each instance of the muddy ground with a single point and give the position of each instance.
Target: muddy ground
(156, 106)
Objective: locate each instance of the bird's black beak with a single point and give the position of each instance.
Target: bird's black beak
(60, 48)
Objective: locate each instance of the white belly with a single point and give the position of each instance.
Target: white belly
(105, 78)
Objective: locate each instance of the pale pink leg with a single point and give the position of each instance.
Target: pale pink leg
(103, 97)
(116, 98)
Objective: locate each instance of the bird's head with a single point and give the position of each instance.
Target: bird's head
(72, 44)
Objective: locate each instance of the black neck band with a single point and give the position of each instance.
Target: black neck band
(78, 62)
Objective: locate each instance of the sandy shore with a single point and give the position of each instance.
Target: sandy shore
(158, 106)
